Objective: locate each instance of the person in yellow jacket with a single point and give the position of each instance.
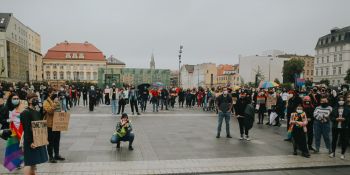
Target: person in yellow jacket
(52, 105)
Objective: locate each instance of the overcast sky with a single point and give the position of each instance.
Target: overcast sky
(210, 30)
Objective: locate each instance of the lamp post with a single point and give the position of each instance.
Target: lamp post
(270, 67)
(180, 53)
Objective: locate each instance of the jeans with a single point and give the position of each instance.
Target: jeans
(127, 138)
(63, 105)
(114, 106)
(227, 116)
(322, 129)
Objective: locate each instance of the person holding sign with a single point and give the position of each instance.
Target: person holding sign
(33, 154)
(51, 105)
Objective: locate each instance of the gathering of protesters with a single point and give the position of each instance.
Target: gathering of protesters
(309, 113)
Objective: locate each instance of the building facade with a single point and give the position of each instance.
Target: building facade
(308, 73)
(333, 56)
(186, 74)
(200, 75)
(14, 49)
(73, 62)
(35, 59)
(271, 68)
(228, 75)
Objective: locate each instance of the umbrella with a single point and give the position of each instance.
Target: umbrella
(143, 86)
(235, 87)
(267, 84)
(157, 84)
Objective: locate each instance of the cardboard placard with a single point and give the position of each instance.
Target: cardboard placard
(271, 101)
(39, 129)
(234, 100)
(260, 100)
(60, 121)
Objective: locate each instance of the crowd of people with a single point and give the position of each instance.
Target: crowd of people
(309, 113)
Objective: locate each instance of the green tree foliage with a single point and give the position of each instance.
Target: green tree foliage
(347, 78)
(292, 67)
(325, 81)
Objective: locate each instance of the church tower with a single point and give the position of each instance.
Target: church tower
(152, 63)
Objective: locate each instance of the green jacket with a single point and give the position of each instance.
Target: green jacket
(123, 131)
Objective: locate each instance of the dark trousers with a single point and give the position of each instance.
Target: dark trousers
(121, 107)
(261, 115)
(342, 134)
(133, 104)
(75, 101)
(78, 100)
(107, 100)
(242, 128)
(299, 139)
(181, 103)
(85, 101)
(54, 138)
(143, 104)
(310, 133)
(91, 104)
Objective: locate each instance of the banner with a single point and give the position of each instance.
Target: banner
(260, 100)
(39, 129)
(60, 121)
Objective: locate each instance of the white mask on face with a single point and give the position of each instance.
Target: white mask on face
(225, 92)
(299, 111)
(341, 103)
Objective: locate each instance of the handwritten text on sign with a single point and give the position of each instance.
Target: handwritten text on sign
(60, 121)
(39, 129)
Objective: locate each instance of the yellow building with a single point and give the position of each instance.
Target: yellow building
(35, 60)
(228, 75)
(73, 62)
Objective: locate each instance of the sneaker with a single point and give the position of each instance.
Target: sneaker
(60, 158)
(247, 138)
(342, 157)
(138, 113)
(331, 155)
(229, 136)
(131, 148)
(241, 138)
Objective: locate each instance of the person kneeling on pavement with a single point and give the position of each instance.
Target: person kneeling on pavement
(123, 132)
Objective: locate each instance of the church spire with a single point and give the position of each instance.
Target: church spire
(152, 63)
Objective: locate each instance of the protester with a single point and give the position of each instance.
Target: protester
(298, 123)
(224, 105)
(155, 99)
(122, 101)
(322, 124)
(123, 132)
(340, 118)
(33, 154)
(52, 105)
(114, 96)
(309, 111)
(133, 100)
(85, 95)
(107, 93)
(92, 98)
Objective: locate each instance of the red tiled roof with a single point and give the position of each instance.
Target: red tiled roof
(89, 50)
(224, 67)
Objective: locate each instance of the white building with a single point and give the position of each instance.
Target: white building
(186, 75)
(200, 75)
(332, 58)
(271, 67)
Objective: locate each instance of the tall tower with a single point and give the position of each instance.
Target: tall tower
(152, 63)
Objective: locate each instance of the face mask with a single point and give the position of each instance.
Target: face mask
(344, 90)
(92, 88)
(225, 92)
(307, 102)
(341, 103)
(15, 102)
(299, 111)
(35, 102)
(324, 105)
(62, 89)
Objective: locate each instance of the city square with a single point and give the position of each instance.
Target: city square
(174, 87)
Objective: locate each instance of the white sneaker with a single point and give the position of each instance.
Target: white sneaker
(241, 138)
(342, 157)
(332, 155)
(247, 138)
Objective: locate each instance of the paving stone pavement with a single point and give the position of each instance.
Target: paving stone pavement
(171, 142)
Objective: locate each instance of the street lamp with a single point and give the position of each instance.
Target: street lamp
(180, 53)
(270, 67)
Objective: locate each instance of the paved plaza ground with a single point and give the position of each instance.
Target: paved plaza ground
(170, 142)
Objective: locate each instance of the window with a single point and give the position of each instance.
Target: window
(81, 55)
(95, 76)
(335, 58)
(48, 75)
(339, 70)
(54, 66)
(75, 55)
(318, 60)
(75, 75)
(340, 57)
(327, 59)
(88, 76)
(338, 82)
(307, 72)
(68, 55)
(312, 72)
(68, 75)
(334, 70)
(55, 75)
(81, 75)
(81, 67)
(61, 67)
(61, 75)
(321, 71)
(322, 60)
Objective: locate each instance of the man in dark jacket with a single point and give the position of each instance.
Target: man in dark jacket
(224, 105)
(240, 107)
(92, 98)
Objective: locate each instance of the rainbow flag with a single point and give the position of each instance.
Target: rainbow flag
(13, 153)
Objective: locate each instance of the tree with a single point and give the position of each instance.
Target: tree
(347, 77)
(325, 81)
(277, 81)
(291, 68)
